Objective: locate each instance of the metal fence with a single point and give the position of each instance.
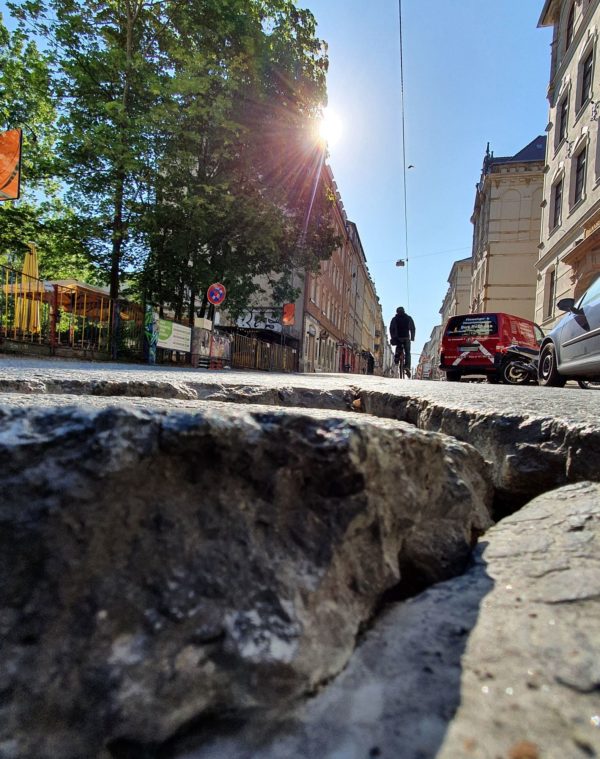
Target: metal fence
(25, 311)
(73, 317)
(252, 353)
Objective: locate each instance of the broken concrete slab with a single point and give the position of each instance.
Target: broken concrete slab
(500, 662)
(159, 565)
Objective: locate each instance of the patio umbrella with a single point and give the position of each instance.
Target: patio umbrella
(27, 313)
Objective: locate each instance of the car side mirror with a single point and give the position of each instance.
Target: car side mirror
(568, 304)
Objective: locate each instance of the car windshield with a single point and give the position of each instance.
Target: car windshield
(473, 325)
(591, 295)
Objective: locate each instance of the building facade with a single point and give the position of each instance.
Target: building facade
(569, 250)
(429, 360)
(458, 295)
(327, 297)
(341, 313)
(324, 298)
(338, 322)
(506, 224)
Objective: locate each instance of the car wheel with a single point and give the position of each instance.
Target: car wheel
(547, 372)
(452, 376)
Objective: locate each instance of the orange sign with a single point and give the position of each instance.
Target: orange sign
(10, 164)
(289, 314)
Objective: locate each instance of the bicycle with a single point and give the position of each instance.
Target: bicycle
(400, 366)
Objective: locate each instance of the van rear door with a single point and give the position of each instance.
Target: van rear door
(470, 341)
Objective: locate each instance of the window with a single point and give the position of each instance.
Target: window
(551, 289)
(557, 193)
(472, 326)
(563, 114)
(539, 335)
(586, 79)
(570, 27)
(580, 176)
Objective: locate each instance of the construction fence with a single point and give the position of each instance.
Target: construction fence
(252, 353)
(217, 350)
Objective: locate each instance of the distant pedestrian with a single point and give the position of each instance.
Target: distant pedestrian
(402, 333)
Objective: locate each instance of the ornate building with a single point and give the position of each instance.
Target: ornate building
(506, 221)
(569, 251)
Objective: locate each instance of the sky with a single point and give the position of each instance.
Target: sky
(475, 71)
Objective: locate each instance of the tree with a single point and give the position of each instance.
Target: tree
(173, 119)
(26, 103)
(239, 161)
(41, 215)
(107, 77)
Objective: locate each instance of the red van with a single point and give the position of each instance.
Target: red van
(476, 343)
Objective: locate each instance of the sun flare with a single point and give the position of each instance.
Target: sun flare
(330, 127)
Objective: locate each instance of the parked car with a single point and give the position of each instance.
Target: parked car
(476, 344)
(572, 349)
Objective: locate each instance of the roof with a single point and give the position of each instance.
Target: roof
(534, 151)
(75, 284)
(544, 16)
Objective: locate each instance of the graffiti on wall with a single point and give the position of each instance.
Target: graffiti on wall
(264, 318)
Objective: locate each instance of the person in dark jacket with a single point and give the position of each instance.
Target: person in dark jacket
(402, 333)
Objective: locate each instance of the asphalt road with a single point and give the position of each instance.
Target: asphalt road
(570, 404)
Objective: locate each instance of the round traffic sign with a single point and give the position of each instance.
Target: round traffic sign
(216, 293)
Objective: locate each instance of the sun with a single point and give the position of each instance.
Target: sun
(330, 127)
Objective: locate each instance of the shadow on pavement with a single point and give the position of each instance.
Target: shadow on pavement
(396, 698)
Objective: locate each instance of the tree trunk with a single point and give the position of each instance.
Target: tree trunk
(119, 231)
(117, 238)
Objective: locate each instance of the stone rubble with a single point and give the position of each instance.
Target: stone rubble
(159, 566)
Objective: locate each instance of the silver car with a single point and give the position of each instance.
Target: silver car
(572, 349)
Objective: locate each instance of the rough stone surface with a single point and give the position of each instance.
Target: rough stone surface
(163, 565)
(500, 663)
(178, 572)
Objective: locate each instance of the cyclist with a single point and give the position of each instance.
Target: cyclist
(402, 333)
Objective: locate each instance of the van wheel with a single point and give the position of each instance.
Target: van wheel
(452, 376)
(493, 379)
(547, 372)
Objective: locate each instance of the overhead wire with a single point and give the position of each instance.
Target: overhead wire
(403, 130)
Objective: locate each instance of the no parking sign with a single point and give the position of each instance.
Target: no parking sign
(216, 294)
